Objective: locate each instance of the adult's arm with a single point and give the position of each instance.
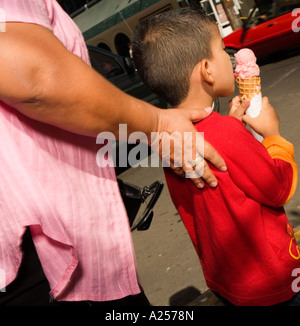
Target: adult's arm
(45, 82)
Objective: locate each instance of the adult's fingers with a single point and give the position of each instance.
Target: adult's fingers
(198, 115)
(194, 172)
(198, 169)
(177, 170)
(210, 154)
(195, 145)
(195, 164)
(179, 143)
(201, 175)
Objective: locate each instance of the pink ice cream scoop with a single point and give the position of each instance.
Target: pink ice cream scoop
(245, 64)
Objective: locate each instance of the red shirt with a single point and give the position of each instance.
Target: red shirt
(239, 229)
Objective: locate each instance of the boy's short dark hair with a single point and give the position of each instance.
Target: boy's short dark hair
(166, 47)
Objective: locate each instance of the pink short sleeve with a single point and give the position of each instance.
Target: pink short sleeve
(25, 11)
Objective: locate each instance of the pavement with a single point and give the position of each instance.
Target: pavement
(297, 233)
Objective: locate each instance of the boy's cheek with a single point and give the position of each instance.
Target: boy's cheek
(228, 88)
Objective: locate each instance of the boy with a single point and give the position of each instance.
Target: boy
(239, 229)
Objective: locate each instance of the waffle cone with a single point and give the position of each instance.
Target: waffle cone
(249, 87)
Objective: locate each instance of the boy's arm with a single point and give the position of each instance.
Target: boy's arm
(267, 124)
(266, 180)
(279, 148)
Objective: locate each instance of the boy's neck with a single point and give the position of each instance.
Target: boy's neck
(198, 102)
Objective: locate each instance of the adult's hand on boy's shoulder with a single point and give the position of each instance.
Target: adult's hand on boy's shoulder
(189, 152)
(237, 107)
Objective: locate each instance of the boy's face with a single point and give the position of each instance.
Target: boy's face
(221, 68)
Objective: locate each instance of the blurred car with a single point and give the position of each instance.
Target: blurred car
(268, 29)
(120, 71)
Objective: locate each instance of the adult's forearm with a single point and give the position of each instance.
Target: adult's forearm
(52, 85)
(87, 104)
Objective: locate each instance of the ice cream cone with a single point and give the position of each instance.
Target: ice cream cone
(247, 78)
(249, 87)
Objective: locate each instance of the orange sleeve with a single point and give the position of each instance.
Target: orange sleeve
(280, 148)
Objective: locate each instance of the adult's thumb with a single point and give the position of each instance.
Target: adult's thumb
(198, 115)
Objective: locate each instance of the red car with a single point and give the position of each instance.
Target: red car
(272, 26)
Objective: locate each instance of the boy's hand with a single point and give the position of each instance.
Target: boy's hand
(237, 107)
(267, 122)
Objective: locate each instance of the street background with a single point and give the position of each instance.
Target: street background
(168, 267)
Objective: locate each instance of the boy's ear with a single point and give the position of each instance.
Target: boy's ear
(206, 71)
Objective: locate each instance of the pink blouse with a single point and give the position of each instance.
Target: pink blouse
(51, 182)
